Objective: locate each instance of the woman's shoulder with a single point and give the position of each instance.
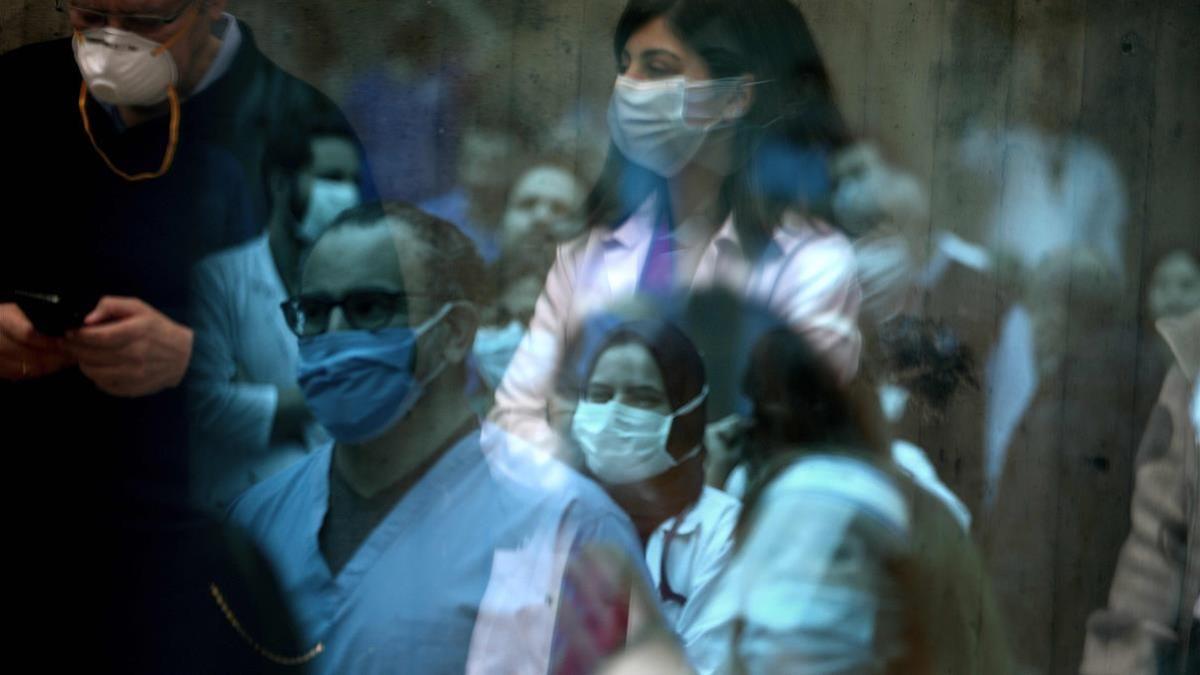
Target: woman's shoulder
(716, 513)
(798, 229)
(847, 479)
(718, 503)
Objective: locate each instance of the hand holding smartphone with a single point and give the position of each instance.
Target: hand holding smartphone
(52, 314)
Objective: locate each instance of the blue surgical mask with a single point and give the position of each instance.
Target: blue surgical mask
(359, 383)
(494, 349)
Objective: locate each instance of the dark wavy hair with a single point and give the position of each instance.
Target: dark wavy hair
(792, 123)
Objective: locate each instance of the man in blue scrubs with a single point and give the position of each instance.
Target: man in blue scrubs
(419, 541)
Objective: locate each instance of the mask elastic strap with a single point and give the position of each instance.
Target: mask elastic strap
(432, 321)
(723, 121)
(692, 404)
(172, 137)
(419, 389)
(688, 455)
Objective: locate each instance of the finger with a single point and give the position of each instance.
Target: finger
(112, 307)
(27, 365)
(114, 335)
(20, 329)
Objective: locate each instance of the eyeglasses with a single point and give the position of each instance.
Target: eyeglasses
(136, 23)
(365, 309)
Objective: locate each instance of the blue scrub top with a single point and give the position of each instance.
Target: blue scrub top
(482, 527)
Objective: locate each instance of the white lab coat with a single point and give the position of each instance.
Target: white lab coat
(243, 351)
(699, 552)
(810, 584)
(807, 276)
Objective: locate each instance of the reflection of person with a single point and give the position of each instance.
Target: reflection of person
(409, 98)
(639, 425)
(250, 418)
(407, 543)
(843, 564)
(1175, 285)
(518, 280)
(477, 202)
(1150, 624)
(703, 89)
(542, 211)
(1056, 194)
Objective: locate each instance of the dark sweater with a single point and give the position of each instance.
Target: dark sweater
(96, 484)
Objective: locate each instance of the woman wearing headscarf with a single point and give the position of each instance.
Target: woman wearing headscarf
(639, 425)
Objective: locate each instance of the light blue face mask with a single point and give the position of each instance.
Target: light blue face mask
(359, 383)
(494, 349)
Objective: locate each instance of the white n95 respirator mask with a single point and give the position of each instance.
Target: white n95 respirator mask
(124, 68)
(623, 444)
(661, 124)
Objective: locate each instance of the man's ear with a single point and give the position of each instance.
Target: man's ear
(463, 321)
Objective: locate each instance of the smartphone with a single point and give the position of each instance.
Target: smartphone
(52, 313)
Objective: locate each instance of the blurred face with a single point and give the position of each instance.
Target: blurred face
(654, 52)
(628, 374)
(333, 158)
(188, 34)
(485, 158)
(1175, 288)
(542, 208)
(520, 298)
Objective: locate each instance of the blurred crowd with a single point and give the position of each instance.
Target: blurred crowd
(371, 377)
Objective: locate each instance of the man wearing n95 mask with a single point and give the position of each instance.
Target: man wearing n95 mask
(137, 141)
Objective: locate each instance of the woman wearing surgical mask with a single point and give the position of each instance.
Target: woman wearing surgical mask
(719, 109)
(639, 425)
(843, 564)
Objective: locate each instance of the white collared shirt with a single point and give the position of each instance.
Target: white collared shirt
(810, 582)
(700, 549)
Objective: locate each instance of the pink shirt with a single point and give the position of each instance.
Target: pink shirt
(807, 277)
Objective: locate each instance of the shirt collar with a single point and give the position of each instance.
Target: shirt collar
(639, 227)
(230, 34)
(692, 518)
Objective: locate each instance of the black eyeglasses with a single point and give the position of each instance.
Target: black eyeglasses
(365, 309)
(137, 23)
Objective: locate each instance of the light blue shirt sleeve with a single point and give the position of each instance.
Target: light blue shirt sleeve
(228, 411)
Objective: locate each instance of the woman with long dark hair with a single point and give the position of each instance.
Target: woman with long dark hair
(721, 117)
(842, 563)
